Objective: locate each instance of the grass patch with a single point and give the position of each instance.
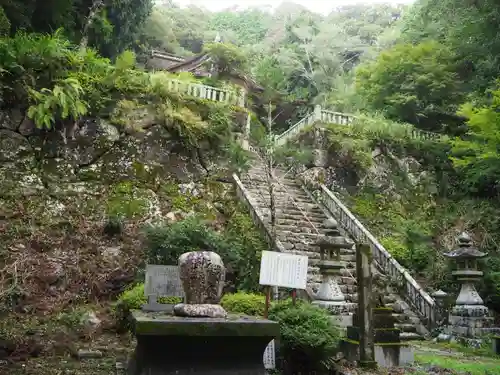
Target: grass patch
(484, 351)
(488, 366)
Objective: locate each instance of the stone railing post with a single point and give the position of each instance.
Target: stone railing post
(441, 307)
(246, 134)
(241, 100)
(317, 113)
(364, 279)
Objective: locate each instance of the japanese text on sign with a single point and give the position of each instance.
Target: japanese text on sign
(283, 270)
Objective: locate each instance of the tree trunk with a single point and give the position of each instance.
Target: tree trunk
(97, 5)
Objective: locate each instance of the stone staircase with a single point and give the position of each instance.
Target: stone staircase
(299, 224)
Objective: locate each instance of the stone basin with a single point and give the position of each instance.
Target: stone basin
(168, 345)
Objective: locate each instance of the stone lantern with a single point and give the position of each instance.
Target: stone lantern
(469, 316)
(329, 295)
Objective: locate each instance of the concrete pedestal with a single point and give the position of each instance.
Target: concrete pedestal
(470, 321)
(388, 349)
(168, 345)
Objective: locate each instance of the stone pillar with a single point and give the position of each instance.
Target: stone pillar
(364, 275)
(440, 297)
(317, 113)
(329, 295)
(246, 138)
(242, 98)
(373, 339)
(469, 317)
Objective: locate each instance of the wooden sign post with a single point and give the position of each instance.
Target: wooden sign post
(281, 270)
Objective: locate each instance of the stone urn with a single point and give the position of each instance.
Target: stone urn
(202, 274)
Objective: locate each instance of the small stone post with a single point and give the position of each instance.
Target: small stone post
(246, 137)
(440, 297)
(242, 98)
(317, 113)
(364, 276)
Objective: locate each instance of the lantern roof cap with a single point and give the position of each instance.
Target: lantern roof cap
(465, 249)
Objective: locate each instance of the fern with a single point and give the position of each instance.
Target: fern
(62, 102)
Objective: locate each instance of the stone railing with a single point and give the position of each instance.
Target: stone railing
(294, 130)
(422, 302)
(257, 218)
(207, 92)
(319, 115)
(330, 117)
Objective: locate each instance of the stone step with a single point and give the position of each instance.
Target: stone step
(401, 318)
(294, 235)
(396, 307)
(299, 209)
(278, 191)
(296, 219)
(346, 254)
(390, 299)
(348, 288)
(406, 327)
(254, 179)
(281, 197)
(305, 227)
(410, 336)
(308, 209)
(350, 271)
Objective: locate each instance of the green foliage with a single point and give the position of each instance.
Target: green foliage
(239, 159)
(250, 26)
(244, 303)
(63, 102)
(113, 28)
(406, 234)
(229, 59)
(417, 84)
(166, 243)
(246, 245)
(126, 201)
(4, 23)
(239, 245)
(62, 84)
(477, 156)
(470, 30)
(308, 337)
(132, 299)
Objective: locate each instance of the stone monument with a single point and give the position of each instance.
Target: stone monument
(200, 337)
(329, 295)
(469, 318)
(373, 337)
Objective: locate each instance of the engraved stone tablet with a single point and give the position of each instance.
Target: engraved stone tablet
(163, 281)
(283, 270)
(269, 357)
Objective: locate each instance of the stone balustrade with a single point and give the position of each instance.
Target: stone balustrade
(423, 304)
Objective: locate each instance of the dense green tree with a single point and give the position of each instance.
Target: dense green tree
(416, 84)
(113, 27)
(477, 154)
(470, 28)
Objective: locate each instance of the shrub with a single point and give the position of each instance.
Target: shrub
(308, 337)
(244, 303)
(167, 242)
(132, 299)
(245, 246)
(239, 246)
